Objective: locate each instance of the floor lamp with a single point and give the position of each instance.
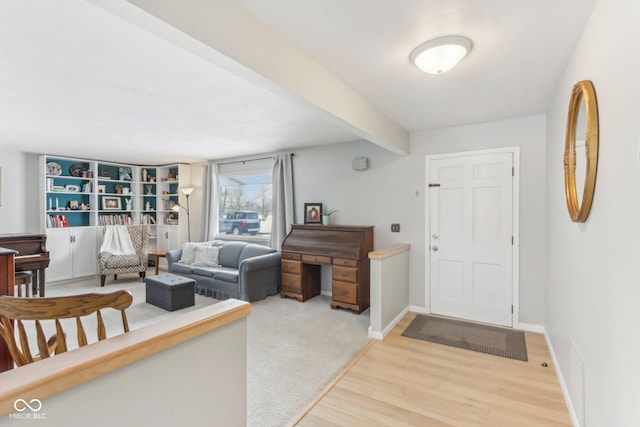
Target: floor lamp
(176, 208)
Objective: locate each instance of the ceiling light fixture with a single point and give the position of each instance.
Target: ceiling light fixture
(439, 55)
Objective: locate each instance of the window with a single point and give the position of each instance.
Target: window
(245, 205)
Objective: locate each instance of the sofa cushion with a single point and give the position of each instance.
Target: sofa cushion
(189, 251)
(252, 250)
(229, 254)
(206, 256)
(179, 267)
(226, 275)
(204, 271)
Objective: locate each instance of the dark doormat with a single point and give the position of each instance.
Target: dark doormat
(471, 336)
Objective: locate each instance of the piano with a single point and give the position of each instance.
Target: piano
(32, 256)
(345, 248)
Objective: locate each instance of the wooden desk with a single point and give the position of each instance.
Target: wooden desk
(344, 248)
(156, 258)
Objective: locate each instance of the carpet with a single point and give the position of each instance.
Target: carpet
(294, 350)
(470, 336)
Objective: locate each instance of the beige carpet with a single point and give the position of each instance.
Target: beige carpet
(294, 349)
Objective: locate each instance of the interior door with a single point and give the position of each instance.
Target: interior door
(471, 237)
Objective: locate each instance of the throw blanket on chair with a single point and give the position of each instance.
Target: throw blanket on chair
(117, 241)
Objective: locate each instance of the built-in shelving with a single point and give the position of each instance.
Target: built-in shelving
(78, 197)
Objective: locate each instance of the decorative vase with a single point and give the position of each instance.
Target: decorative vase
(325, 219)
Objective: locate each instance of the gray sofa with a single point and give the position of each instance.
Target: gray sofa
(245, 271)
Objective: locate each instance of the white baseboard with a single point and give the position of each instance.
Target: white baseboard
(417, 309)
(531, 327)
(326, 293)
(563, 385)
(376, 335)
(380, 335)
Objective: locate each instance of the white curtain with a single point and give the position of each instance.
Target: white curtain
(210, 202)
(282, 199)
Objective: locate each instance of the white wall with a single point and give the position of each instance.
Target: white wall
(19, 210)
(386, 193)
(593, 285)
(200, 382)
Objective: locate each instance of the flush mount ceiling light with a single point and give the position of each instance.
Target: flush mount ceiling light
(439, 55)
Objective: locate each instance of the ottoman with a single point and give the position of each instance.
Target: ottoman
(170, 291)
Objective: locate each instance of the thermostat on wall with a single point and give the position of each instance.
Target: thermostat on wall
(360, 163)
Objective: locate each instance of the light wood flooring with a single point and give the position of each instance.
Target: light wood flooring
(408, 382)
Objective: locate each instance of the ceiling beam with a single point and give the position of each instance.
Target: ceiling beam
(223, 32)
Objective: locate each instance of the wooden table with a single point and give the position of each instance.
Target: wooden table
(157, 255)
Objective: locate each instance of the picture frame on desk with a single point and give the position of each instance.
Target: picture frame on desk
(111, 203)
(313, 213)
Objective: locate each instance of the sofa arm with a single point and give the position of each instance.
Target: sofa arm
(259, 262)
(259, 277)
(173, 256)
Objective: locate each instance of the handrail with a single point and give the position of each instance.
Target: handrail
(48, 377)
(390, 251)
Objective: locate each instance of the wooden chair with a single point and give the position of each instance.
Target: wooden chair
(55, 308)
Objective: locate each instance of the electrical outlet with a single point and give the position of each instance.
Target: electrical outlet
(395, 228)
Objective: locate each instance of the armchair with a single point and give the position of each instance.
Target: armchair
(109, 263)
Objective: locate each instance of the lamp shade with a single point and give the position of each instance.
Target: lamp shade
(187, 190)
(440, 55)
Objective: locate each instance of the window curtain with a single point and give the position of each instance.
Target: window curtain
(210, 202)
(282, 199)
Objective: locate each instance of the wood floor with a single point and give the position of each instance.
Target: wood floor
(408, 382)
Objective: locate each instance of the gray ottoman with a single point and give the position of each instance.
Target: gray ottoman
(170, 291)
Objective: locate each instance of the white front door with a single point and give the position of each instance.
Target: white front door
(471, 237)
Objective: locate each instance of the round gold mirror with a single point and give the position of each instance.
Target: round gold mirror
(581, 150)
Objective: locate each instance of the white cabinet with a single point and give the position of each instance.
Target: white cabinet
(168, 238)
(73, 252)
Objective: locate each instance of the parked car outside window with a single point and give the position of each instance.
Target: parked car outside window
(239, 222)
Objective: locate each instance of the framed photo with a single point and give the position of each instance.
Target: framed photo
(312, 212)
(112, 203)
(73, 205)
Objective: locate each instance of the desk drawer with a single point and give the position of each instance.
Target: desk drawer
(289, 255)
(315, 259)
(345, 292)
(293, 267)
(345, 274)
(291, 283)
(345, 262)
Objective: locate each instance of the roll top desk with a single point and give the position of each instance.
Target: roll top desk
(345, 248)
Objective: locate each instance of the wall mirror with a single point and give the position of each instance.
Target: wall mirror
(581, 150)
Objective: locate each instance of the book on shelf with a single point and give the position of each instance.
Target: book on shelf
(147, 219)
(58, 221)
(115, 220)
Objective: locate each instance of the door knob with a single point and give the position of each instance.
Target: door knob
(434, 248)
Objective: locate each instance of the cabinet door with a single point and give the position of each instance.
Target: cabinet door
(168, 238)
(85, 251)
(60, 253)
